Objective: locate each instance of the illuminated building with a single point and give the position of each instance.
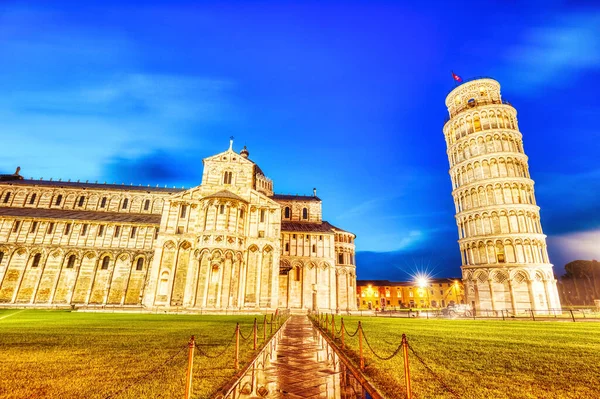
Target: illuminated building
(384, 294)
(505, 263)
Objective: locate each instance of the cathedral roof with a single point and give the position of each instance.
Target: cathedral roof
(290, 197)
(309, 227)
(99, 186)
(226, 194)
(82, 215)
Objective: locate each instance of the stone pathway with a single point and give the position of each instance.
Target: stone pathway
(301, 367)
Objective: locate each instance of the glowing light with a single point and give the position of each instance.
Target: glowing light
(422, 280)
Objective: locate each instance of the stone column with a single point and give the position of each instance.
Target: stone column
(547, 292)
(492, 298)
(110, 278)
(175, 264)
(513, 301)
(531, 295)
(259, 266)
(75, 282)
(347, 292)
(89, 293)
(39, 281)
(127, 284)
(337, 292)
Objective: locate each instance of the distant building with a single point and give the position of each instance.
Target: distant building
(229, 243)
(505, 263)
(384, 294)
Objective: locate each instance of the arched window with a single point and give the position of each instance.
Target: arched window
(71, 262)
(32, 198)
(133, 231)
(7, 197)
(341, 258)
(140, 264)
(103, 202)
(304, 213)
(241, 213)
(476, 123)
(81, 199)
(287, 246)
(105, 261)
(297, 273)
(125, 203)
(146, 205)
(314, 248)
(58, 199)
(183, 211)
(1, 256)
(227, 177)
(262, 215)
(287, 212)
(36, 260)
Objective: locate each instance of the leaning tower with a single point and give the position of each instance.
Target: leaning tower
(505, 262)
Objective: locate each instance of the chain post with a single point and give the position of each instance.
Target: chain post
(254, 332)
(572, 315)
(406, 367)
(189, 374)
(332, 327)
(237, 346)
(265, 329)
(532, 315)
(360, 347)
(342, 333)
(271, 324)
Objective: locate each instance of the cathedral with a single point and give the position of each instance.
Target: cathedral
(230, 243)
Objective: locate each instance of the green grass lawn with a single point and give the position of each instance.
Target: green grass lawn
(61, 354)
(484, 358)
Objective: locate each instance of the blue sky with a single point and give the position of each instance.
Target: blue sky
(347, 97)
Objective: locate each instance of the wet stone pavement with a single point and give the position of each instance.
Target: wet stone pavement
(301, 365)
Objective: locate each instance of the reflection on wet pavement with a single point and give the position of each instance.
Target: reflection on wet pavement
(298, 365)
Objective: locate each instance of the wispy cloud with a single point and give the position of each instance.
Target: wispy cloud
(557, 52)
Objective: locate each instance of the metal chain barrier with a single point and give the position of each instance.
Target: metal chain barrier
(154, 370)
(351, 335)
(245, 338)
(203, 353)
(398, 349)
(433, 373)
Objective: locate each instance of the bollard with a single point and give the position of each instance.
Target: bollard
(360, 347)
(189, 375)
(572, 315)
(265, 329)
(332, 327)
(255, 333)
(406, 368)
(237, 346)
(271, 324)
(342, 332)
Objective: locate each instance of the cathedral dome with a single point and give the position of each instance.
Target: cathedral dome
(245, 153)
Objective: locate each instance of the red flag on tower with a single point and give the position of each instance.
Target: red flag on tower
(456, 77)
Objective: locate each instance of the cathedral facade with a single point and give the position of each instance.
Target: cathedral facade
(505, 263)
(230, 243)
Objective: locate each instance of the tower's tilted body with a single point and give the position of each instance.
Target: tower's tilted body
(505, 262)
